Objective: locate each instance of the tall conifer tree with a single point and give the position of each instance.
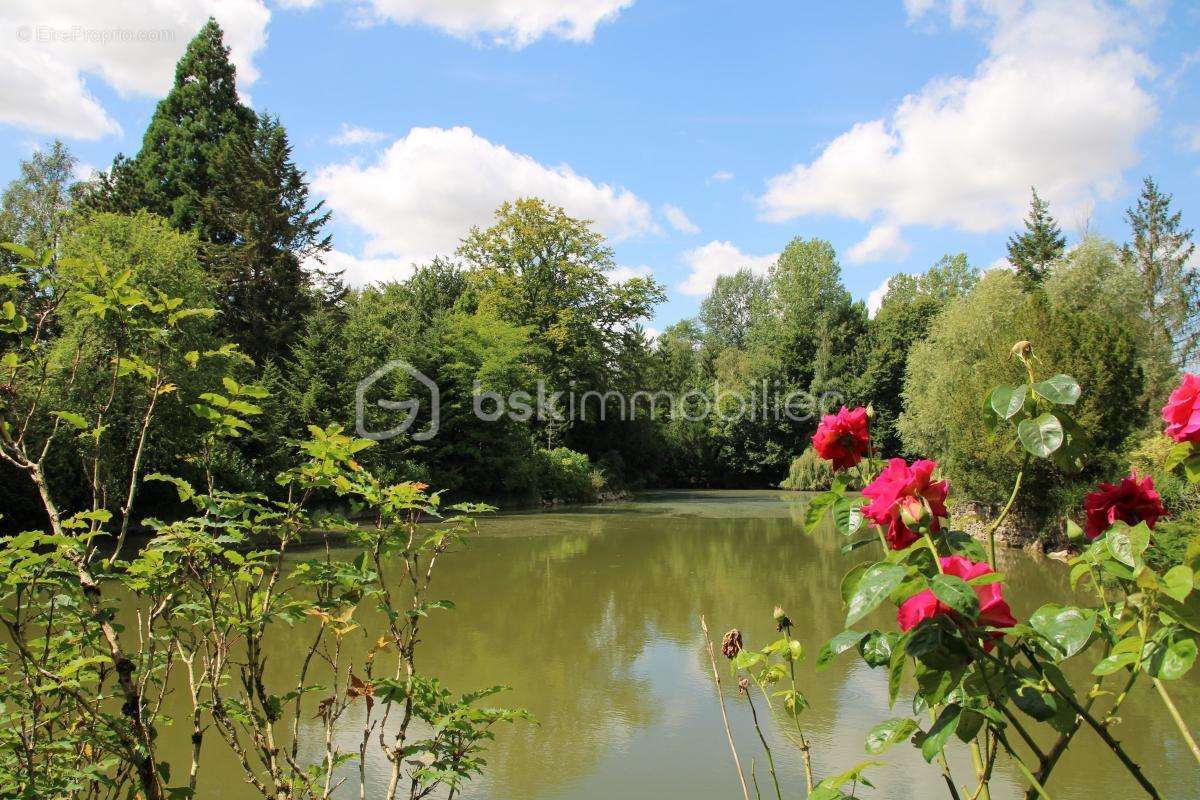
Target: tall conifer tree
(1032, 252)
(209, 164)
(1160, 252)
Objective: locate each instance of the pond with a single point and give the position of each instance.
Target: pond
(591, 616)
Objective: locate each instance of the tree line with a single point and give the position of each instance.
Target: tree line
(214, 209)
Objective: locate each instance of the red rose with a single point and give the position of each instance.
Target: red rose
(1182, 411)
(899, 489)
(993, 610)
(1131, 501)
(842, 437)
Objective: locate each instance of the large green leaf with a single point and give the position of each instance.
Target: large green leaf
(1042, 435)
(1067, 628)
(888, 733)
(955, 593)
(1059, 389)
(1178, 582)
(847, 515)
(1173, 658)
(873, 588)
(1006, 401)
(838, 644)
(1127, 544)
(943, 727)
(817, 507)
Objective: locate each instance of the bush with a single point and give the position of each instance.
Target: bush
(565, 475)
(1083, 323)
(811, 473)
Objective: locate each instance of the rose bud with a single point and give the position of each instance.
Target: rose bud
(781, 619)
(731, 644)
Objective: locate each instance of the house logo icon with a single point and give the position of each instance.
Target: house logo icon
(410, 407)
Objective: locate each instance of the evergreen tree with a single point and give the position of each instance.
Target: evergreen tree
(211, 166)
(1160, 252)
(177, 172)
(263, 202)
(1032, 252)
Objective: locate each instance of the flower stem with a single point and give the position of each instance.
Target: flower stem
(1004, 511)
(1175, 715)
(766, 747)
(724, 716)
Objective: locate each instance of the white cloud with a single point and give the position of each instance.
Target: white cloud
(514, 23)
(718, 258)
(132, 46)
(678, 219)
(351, 135)
(720, 176)
(362, 271)
(622, 273)
(428, 188)
(999, 263)
(875, 298)
(1057, 103)
(652, 334)
(882, 241)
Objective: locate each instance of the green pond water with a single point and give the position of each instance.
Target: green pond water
(591, 615)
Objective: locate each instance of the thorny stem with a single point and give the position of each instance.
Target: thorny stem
(766, 747)
(721, 699)
(804, 749)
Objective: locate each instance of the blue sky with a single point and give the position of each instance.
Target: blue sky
(701, 136)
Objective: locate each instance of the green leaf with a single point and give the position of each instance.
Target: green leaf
(1059, 389)
(955, 593)
(1033, 701)
(888, 733)
(1074, 532)
(943, 727)
(1006, 401)
(72, 419)
(1067, 628)
(873, 588)
(1172, 659)
(817, 507)
(1127, 544)
(1041, 436)
(850, 581)
(1177, 582)
(837, 645)
(896, 669)
(1177, 455)
(876, 648)
(847, 515)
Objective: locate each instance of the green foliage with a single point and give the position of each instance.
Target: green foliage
(1084, 329)
(566, 476)
(1033, 252)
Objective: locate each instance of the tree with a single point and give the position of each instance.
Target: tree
(732, 307)
(908, 309)
(1160, 252)
(34, 209)
(211, 166)
(1084, 324)
(177, 173)
(263, 202)
(1032, 252)
(538, 267)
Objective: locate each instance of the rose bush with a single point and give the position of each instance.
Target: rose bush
(980, 675)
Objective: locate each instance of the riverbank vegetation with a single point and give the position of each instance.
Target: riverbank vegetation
(178, 365)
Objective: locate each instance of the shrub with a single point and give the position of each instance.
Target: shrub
(567, 476)
(1085, 323)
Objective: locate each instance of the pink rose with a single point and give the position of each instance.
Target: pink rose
(842, 437)
(899, 489)
(993, 610)
(1182, 411)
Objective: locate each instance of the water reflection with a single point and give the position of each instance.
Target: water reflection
(591, 616)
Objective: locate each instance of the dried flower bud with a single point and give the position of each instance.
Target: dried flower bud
(781, 619)
(1022, 349)
(731, 644)
(744, 686)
